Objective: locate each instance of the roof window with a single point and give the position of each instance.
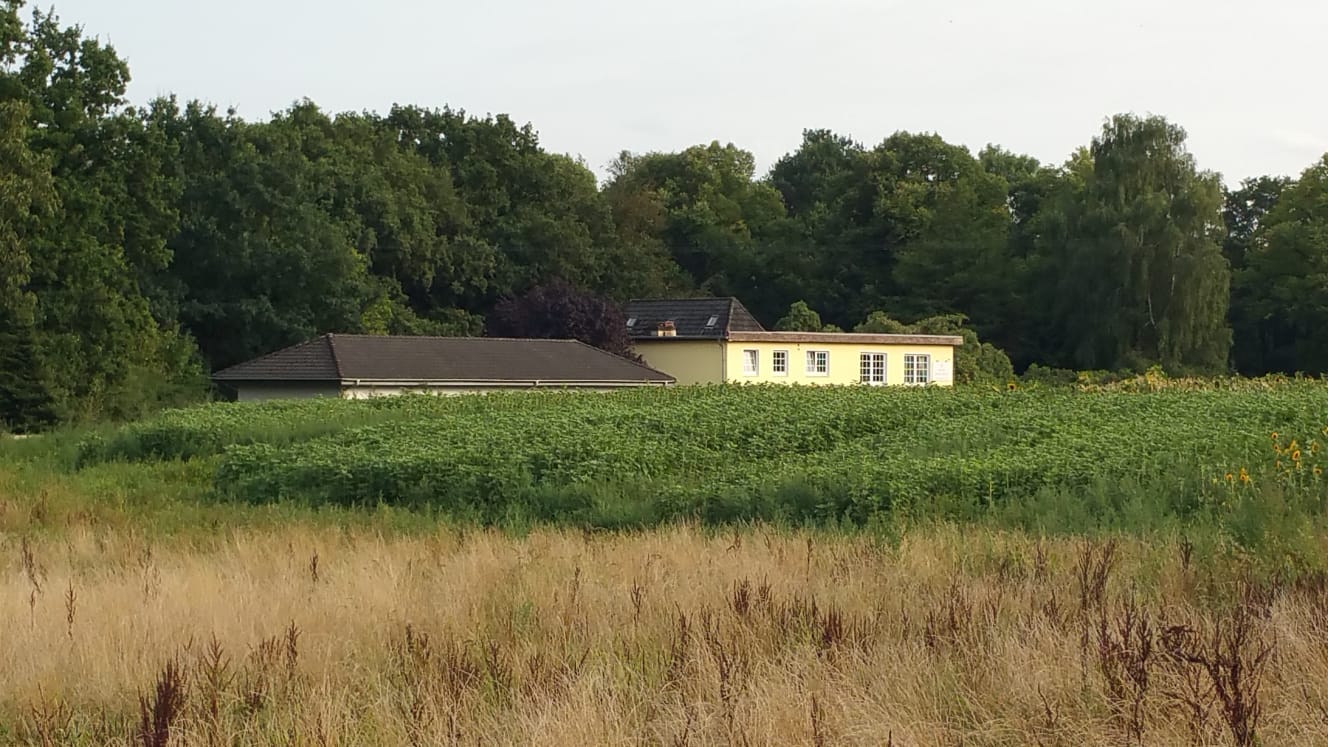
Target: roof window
(631, 322)
(712, 321)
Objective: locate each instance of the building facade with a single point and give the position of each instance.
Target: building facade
(710, 341)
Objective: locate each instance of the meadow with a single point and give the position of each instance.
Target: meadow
(1137, 564)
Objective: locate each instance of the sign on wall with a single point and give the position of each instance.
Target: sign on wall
(943, 372)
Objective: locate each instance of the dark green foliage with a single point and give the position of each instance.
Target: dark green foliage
(1245, 212)
(801, 318)
(94, 259)
(704, 208)
(260, 262)
(141, 246)
(26, 403)
(976, 362)
(1132, 245)
(1283, 288)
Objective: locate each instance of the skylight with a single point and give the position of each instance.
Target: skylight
(713, 321)
(631, 322)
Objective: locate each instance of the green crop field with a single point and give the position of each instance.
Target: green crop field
(1050, 458)
(1103, 565)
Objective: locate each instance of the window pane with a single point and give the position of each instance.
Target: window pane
(917, 369)
(751, 362)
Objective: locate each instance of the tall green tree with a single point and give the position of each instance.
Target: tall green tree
(915, 225)
(1019, 284)
(260, 261)
(25, 195)
(26, 402)
(952, 224)
(828, 190)
(94, 329)
(1283, 321)
(1134, 241)
(1244, 212)
(712, 217)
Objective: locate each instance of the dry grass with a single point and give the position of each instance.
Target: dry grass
(306, 636)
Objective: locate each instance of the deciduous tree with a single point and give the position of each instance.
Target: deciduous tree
(558, 310)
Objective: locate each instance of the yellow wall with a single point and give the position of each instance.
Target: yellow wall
(688, 361)
(844, 362)
(712, 362)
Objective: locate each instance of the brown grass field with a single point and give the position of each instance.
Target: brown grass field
(308, 635)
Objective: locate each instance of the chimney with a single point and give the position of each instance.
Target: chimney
(666, 329)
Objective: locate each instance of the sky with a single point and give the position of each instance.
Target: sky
(596, 77)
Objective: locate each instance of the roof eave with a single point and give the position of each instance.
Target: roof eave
(663, 338)
(847, 338)
(250, 379)
(505, 382)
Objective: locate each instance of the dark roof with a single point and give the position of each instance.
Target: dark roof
(690, 316)
(336, 357)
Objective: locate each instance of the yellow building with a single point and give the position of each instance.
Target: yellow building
(713, 340)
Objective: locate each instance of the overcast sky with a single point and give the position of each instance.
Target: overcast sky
(599, 76)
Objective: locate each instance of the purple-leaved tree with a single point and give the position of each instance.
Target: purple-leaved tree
(558, 310)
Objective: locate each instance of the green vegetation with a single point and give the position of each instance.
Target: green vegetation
(141, 247)
(1142, 454)
(1115, 510)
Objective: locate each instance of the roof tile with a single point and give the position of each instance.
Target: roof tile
(408, 358)
(691, 317)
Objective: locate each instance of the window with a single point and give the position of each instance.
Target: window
(751, 362)
(712, 321)
(917, 369)
(872, 368)
(631, 322)
(818, 362)
(779, 362)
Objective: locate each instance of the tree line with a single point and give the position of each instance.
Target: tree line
(143, 246)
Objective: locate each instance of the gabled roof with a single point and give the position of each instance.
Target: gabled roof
(377, 358)
(691, 317)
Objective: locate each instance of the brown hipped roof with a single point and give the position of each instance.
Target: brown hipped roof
(376, 358)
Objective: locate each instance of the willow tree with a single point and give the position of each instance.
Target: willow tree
(1141, 272)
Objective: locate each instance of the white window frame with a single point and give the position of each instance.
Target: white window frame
(814, 362)
(911, 369)
(872, 364)
(752, 357)
(775, 367)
